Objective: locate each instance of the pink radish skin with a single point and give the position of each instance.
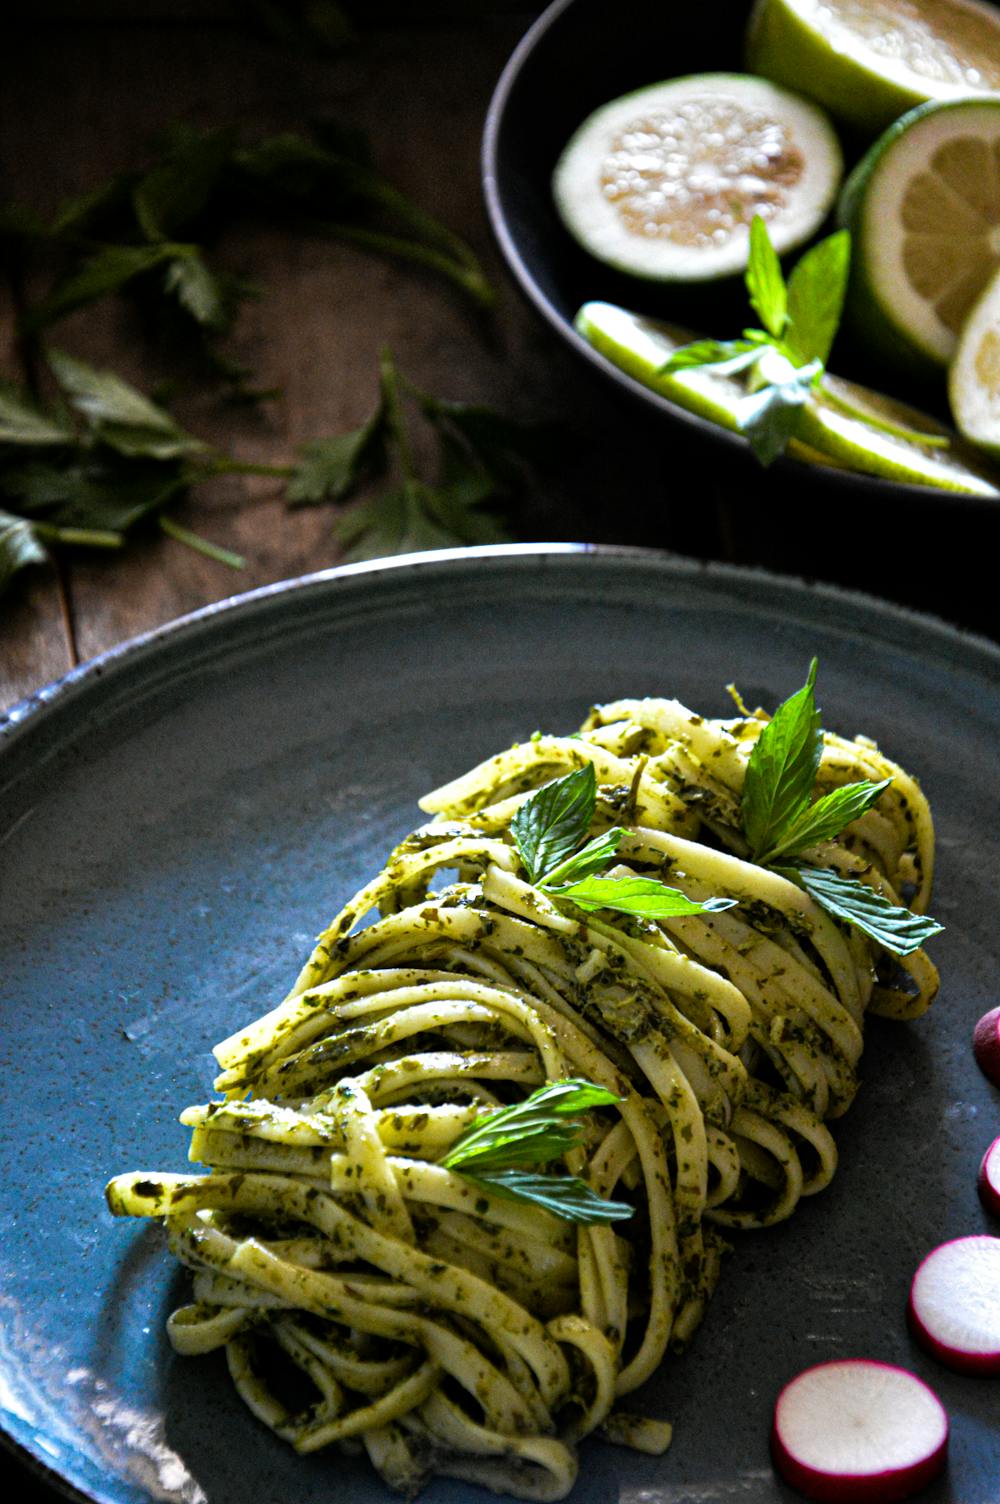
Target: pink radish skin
(858, 1432)
(954, 1305)
(989, 1178)
(986, 1045)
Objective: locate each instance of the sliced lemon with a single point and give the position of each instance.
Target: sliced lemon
(974, 378)
(664, 183)
(923, 207)
(833, 430)
(870, 61)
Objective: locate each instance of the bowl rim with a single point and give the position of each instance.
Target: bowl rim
(497, 114)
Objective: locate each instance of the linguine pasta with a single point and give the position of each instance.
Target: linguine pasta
(364, 1294)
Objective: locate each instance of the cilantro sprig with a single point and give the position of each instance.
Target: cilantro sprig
(501, 1151)
(781, 820)
(784, 363)
(548, 828)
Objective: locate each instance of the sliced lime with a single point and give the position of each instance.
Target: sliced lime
(833, 431)
(974, 378)
(869, 61)
(923, 207)
(664, 183)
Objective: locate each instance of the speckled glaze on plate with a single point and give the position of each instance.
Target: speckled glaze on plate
(179, 818)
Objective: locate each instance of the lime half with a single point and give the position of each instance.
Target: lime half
(974, 378)
(664, 183)
(833, 431)
(870, 61)
(923, 207)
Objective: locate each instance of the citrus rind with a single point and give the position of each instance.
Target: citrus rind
(663, 183)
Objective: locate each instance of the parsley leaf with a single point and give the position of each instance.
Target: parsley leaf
(22, 422)
(119, 415)
(19, 547)
(896, 929)
(330, 469)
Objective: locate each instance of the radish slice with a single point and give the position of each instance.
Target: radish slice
(954, 1306)
(986, 1045)
(855, 1430)
(989, 1178)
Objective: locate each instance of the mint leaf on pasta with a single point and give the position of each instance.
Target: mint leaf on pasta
(643, 897)
(828, 816)
(500, 1149)
(565, 1196)
(782, 770)
(551, 823)
(530, 1132)
(896, 929)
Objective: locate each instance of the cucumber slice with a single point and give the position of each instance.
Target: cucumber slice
(664, 183)
(833, 431)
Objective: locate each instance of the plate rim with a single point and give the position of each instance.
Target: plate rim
(27, 713)
(33, 712)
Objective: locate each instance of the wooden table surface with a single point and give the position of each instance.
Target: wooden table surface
(80, 99)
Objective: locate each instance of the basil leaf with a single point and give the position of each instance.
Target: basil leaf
(816, 290)
(551, 823)
(782, 768)
(732, 355)
(19, 547)
(642, 896)
(764, 280)
(895, 929)
(593, 857)
(827, 817)
(565, 1196)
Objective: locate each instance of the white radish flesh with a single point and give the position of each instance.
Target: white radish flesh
(989, 1178)
(855, 1430)
(954, 1307)
(986, 1045)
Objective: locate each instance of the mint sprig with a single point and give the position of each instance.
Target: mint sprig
(501, 1149)
(781, 820)
(549, 827)
(784, 363)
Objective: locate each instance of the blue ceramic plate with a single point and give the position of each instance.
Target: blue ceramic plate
(180, 817)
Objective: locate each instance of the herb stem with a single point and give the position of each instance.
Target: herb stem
(83, 537)
(201, 545)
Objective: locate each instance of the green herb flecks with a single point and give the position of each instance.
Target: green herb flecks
(548, 828)
(781, 820)
(501, 1150)
(784, 363)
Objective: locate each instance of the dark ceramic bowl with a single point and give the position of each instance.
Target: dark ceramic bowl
(580, 54)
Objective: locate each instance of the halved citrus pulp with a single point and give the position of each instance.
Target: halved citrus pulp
(829, 435)
(664, 183)
(974, 378)
(869, 61)
(923, 207)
